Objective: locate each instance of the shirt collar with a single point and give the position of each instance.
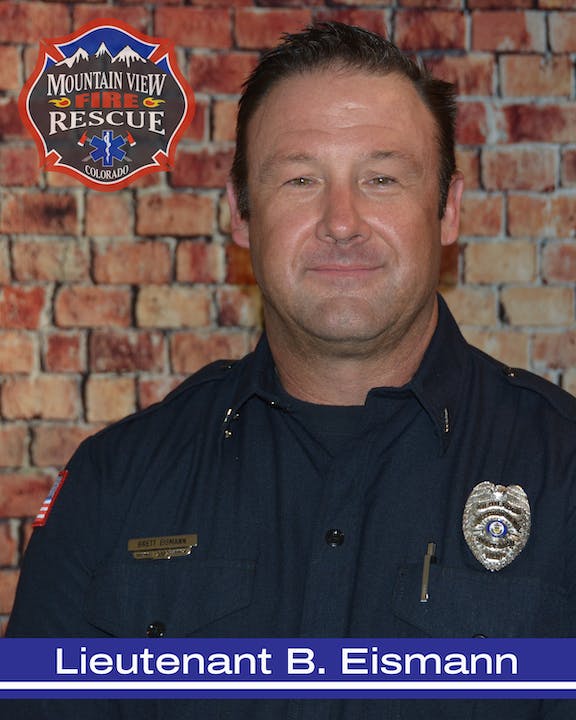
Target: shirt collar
(437, 383)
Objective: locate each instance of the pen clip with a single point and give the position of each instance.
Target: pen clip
(429, 558)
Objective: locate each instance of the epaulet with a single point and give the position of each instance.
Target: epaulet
(561, 400)
(214, 371)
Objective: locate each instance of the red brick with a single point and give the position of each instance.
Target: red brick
(18, 165)
(202, 168)
(5, 274)
(471, 305)
(10, 124)
(563, 215)
(21, 307)
(172, 307)
(238, 266)
(126, 350)
(51, 260)
(538, 305)
(559, 262)
(556, 350)
(472, 74)
(562, 32)
(519, 168)
(195, 27)
(481, 214)
(54, 443)
(198, 127)
(199, 262)
(472, 124)
(502, 4)
(373, 20)
(527, 215)
(190, 352)
(64, 353)
(9, 67)
(8, 583)
(568, 167)
(30, 21)
(153, 390)
(495, 263)
(424, 30)
(17, 352)
(109, 398)
(539, 123)
(509, 31)
(224, 125)
(220, 73)
(13, 445)
(533, 75)
(449, 263)
(147, 261)
(507, 346)
(468, 162)
(262, 28)
(9, 543)
(79, 306)
(180, 214)
(22, 494)
(135, 16)
(40, 212)
(239, 306)
(443, 4)
(109, 214)
(54, 397)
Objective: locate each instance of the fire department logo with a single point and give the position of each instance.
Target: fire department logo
(106, 104)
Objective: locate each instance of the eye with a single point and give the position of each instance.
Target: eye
(382, 180)
(300, 182)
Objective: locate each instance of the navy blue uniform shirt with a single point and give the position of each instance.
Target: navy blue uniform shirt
(314, 521)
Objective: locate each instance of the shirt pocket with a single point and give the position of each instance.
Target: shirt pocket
(465, 603)
(181, 595)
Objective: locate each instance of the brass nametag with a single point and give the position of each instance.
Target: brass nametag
(156, 548)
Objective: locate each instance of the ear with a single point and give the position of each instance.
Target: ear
(450, 223)
(238, 226)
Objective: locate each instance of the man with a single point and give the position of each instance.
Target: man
(315, 481)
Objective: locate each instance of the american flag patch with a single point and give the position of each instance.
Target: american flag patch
(47, 505)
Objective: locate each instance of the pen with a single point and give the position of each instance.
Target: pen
(430, 557)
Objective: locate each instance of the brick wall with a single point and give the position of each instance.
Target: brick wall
(108, 300)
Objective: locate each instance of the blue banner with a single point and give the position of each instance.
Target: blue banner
(287, 668)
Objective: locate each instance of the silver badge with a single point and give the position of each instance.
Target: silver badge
(496, 523)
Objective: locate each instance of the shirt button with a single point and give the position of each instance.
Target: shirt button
(156, 630)
(334, 537)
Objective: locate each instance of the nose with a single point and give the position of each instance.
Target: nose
(341, 220)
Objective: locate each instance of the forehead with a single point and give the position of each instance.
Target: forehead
(340, 107)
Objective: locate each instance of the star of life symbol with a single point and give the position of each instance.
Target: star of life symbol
(112, 91)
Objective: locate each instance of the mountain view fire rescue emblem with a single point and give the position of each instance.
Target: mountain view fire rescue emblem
(107, 104)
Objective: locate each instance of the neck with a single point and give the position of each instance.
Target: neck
(326, 375)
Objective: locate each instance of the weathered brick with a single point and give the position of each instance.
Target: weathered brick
(471, 305)
(562, 32)
(10, 124)
(482, 214)
(28, 22)
(54, 443)
(563, 215)
(8, 583)
(239, 306)
(13, 445)
(126, 350)
(190, 351)
(135, 15)
(195, 27)
(21, 494)
(109, 398)
(53, 397)
(18, 165)
(559, 262)
(430, 29)
(538, 123)
(262, 27)
(468, 162)
(503, 4)
(9, 543)
(51, 260)
(538, 305)
(202, 168)
(534, 75)
(64, 352)
(519, 168)
(508, 347)
(224, 120)
(79, 306)
(172, 307)
(370, 19)
(21, 307)
(5, 264)
(132, 262)
(473, 74)
(153, 390)
(9, 67)
(444, 4)
(537, 216)
(180, 214)
(38, 212)
(238, 265)
(17, 351)
(200, 262)
(220, 73)
(556, 350)
(568, 167)
(197, 130)
(472, 123)
(509, 31)
(109, 214)
(503, 262)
